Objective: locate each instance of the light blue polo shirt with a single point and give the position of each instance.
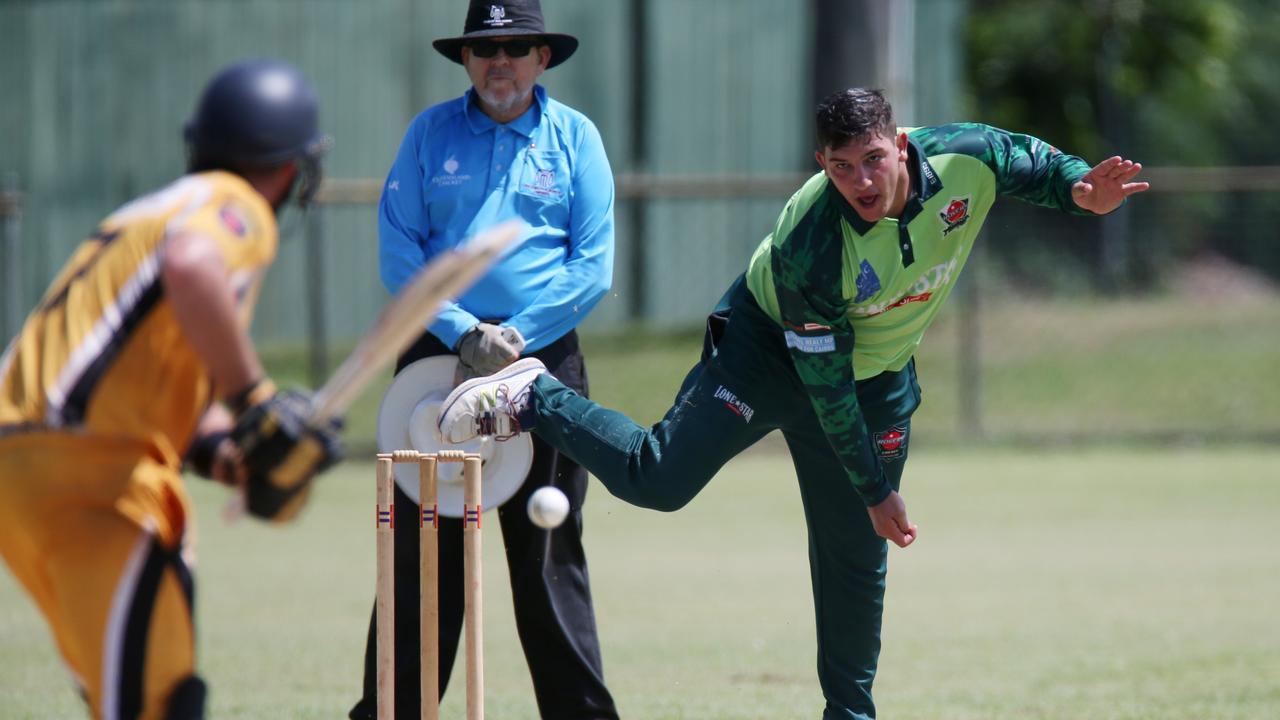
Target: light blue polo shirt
(458, 172)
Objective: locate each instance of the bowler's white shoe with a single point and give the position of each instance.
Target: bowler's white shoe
(487, 406)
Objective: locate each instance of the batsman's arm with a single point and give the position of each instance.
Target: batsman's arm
(198, 287)
(212, 454)
(807, 271)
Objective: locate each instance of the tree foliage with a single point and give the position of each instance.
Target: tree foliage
(1187, 81)
(1167, 82)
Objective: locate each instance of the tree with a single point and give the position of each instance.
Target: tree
(1168, 82)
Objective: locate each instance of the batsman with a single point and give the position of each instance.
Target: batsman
(137, 359)
(816, 339)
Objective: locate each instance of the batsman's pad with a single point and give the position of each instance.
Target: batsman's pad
(283, 453)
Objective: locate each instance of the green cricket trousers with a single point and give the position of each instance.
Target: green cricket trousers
(743, 387)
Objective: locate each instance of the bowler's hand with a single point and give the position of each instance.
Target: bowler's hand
(1104, 187)
(486, 349)
(889, 519)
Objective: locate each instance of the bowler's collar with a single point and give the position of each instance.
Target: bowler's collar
(924, 185)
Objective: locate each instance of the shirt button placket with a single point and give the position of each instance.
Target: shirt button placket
(500, 154)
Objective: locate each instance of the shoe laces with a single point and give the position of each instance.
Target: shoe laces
(501, 403)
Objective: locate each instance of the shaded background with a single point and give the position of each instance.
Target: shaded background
(706, 109)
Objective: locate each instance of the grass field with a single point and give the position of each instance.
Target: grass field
(1124, 579)
(1110, 584)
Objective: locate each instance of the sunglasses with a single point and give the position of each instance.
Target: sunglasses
(513, 48)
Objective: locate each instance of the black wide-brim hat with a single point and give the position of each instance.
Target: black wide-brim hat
(494, 18)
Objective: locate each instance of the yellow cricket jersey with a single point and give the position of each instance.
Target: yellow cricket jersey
(102, 354)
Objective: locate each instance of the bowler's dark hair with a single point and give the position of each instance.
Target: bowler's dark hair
(853, 114)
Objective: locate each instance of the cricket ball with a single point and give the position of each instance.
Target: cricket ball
(548, 507)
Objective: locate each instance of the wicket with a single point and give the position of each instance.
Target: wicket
(428, 523)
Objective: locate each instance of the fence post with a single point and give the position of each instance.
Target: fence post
(317, 293)
(638, 209)
(13, 298)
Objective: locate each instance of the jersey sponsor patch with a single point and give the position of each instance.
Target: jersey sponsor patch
(892, 443)
(868, 283)
(812, 345)
(955, 214)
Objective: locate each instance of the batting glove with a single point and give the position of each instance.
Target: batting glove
(282, 451)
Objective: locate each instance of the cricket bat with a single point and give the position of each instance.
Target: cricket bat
(405, 318)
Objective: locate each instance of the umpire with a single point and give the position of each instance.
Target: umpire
(505, 150)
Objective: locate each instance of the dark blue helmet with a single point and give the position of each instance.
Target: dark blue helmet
(258, 114)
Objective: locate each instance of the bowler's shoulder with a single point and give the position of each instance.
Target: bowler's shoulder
(957, 138)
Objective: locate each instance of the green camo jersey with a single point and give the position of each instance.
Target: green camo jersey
(854, 298)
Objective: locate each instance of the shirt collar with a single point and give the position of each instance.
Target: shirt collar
(526, 124)
(924, 185)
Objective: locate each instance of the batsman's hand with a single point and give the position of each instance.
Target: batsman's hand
(486, 349)
(1106, 186)
(281, 452)
(889, 519)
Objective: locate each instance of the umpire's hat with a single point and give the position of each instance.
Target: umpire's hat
(499, 18)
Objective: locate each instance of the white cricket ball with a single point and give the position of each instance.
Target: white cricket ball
(548, 507)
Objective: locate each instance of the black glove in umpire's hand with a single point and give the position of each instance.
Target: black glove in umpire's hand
(282, 452)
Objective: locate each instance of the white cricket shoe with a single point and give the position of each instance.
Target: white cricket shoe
(487, 406)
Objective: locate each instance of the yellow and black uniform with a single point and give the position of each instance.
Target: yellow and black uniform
(100, 395)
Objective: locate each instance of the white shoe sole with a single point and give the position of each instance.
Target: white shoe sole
(513, 370)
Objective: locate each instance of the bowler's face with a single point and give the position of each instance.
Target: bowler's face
(870, 174)
(504, 83)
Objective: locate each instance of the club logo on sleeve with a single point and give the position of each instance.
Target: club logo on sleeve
(732, 402)
(868, 282)
(892, 443)
(955, 214)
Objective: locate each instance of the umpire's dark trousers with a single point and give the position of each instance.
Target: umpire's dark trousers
(549, 585)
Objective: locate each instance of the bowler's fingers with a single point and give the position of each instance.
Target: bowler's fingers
(1134, 188)
(1104, 168)
(903, 532)
(1121, 170)
(1128, 170)
(897, 530)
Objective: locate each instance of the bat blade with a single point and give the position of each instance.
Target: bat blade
(403, 319)
(409, 312)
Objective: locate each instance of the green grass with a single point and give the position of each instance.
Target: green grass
(1108, 584)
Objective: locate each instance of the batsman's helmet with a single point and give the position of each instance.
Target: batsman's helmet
(258, 114)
